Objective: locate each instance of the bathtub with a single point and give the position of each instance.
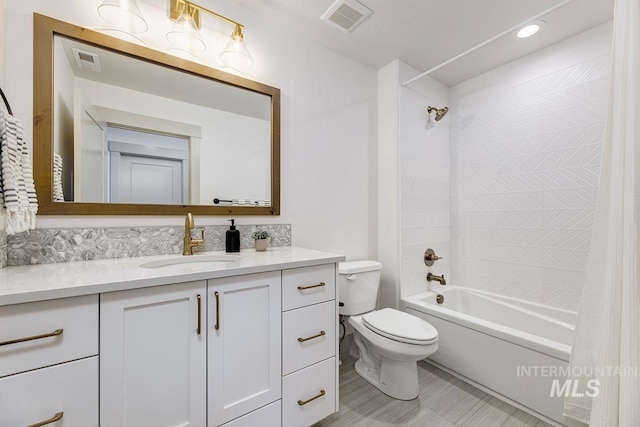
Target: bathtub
(513, 349)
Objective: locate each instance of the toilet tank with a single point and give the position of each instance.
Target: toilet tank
(358, 286)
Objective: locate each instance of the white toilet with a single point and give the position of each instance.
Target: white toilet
(390, 341)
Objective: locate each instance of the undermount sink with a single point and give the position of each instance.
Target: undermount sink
(191, 261)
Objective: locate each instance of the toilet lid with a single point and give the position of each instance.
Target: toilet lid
(351, 267)
(400, 326)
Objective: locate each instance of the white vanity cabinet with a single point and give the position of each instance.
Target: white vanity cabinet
(309, 345)
(244, 344)
(244, 368)
(49, 363)
(153, 356)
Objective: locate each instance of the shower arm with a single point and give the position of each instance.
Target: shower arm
(440, 112)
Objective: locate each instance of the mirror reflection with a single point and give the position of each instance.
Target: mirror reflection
(130, 131)
(121, 129)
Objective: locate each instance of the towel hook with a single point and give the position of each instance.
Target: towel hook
(6, 102)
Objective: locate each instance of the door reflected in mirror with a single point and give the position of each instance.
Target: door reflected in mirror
(132, 129)
(145, 167)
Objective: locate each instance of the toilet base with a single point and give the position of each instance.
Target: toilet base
(394, 378)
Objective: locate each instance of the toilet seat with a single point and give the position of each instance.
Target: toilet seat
(400, 326)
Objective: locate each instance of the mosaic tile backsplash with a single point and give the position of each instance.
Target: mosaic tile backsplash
(3, 249)
(44, 246)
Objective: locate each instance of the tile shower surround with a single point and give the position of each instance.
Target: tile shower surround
(44, 246)
(424, 198)
(525, 163)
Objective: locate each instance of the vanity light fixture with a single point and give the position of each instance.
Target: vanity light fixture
(530, 29)
(124, 14)
(185, 33)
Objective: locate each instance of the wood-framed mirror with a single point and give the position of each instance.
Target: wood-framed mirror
(121, 129)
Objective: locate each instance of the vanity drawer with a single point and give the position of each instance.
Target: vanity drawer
(303, 403)
(308, 285)
(58, 330)
(37, 396)
(267, 416)
(308, 335)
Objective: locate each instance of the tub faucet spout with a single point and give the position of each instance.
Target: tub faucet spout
(439, 279)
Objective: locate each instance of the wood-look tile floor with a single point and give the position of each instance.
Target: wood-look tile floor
(444, 401)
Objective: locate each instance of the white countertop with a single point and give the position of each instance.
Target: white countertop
(50, 281)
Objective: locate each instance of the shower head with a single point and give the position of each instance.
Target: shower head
(440, 112)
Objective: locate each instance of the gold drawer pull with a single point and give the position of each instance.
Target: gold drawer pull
(56, 417)
(302, 288)
(199, 327)
(304, 402)
(35, 337)
(321, 334)
(217, 325)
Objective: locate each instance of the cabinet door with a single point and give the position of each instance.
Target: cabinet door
(244, 344)
(152, 358)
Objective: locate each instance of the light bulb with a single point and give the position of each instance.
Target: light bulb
(530, 29)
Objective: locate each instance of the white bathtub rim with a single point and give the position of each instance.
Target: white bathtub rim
(513, 303)
(517, 306)
(523, 303)
(534, 342)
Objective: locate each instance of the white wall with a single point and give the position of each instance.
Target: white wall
(2, 41)
(328, 107)
(525, 154)
(388, 183)
(2, 55)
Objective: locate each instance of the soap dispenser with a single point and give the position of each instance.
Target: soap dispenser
(233, 238)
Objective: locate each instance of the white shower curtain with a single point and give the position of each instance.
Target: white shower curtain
(606, 349)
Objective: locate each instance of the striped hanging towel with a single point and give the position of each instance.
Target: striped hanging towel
(58, 194)
(17, 192)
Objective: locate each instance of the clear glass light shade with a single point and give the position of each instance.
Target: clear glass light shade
(124, 15)
(185, 35)
(236, 54)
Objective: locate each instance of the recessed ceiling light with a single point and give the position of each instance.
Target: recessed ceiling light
(530, 29)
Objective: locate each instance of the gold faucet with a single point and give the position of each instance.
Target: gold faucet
(439, 279)
(189, 243)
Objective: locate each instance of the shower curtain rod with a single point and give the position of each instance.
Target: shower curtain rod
(502, 34)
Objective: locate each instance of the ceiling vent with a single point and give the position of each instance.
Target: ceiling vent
(347, 14)
(86, 60)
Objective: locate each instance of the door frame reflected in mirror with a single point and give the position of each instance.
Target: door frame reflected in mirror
(45, 29)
